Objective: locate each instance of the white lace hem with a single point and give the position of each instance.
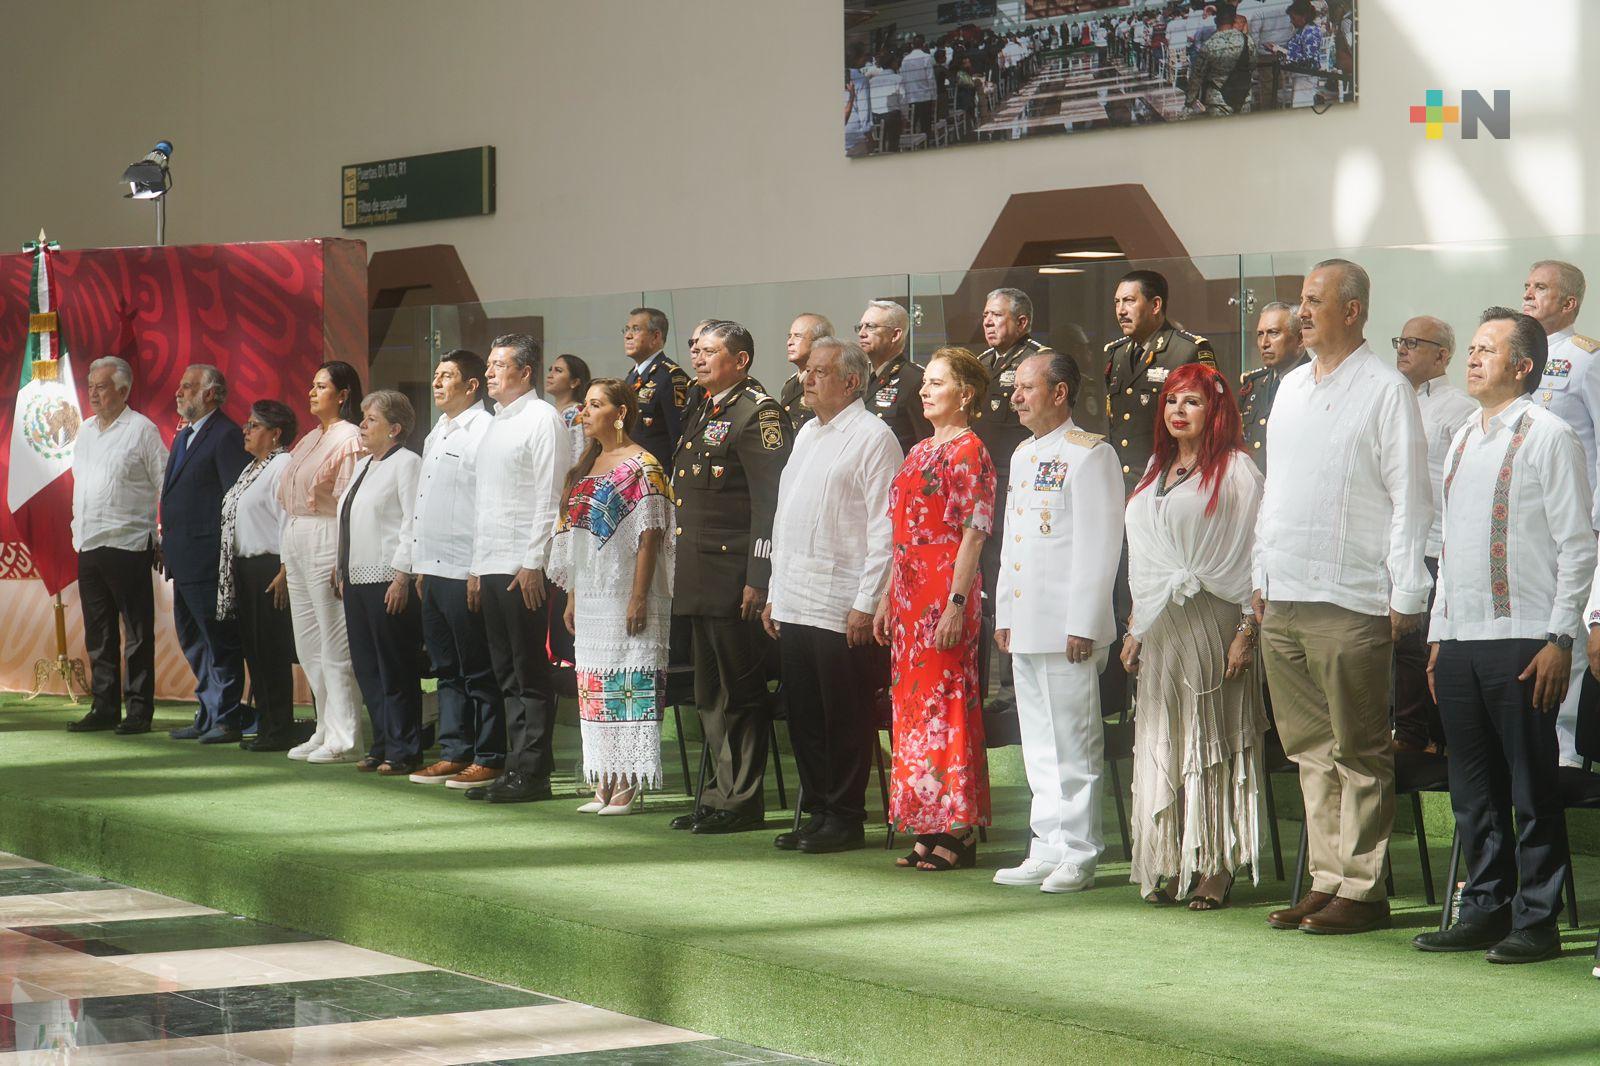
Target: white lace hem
(625, 751)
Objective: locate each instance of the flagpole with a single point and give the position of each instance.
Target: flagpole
(70, 670)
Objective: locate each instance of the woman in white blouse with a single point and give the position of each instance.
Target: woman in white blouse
(383, 619)
(1191, 643)
(247, 585)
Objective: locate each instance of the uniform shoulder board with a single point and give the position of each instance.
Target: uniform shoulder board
(1114, 343)
(1037, 346)
(1588, 344)
(1251, 375)
(1084, 438)
(677, 372)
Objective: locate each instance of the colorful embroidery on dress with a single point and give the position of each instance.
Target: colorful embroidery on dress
(621, 695)
(1499, 521)
(601, 503)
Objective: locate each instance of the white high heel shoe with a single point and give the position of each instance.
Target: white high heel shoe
(592, 807)
(634, 801)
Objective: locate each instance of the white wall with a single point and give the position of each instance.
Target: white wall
(648, 145)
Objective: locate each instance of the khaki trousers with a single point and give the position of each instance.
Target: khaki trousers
(1329, 671)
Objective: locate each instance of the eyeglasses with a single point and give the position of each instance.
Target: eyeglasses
(869, 327)
(629, 331)
(1410, 343)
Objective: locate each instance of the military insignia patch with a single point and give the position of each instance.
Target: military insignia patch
(886, 396)
(680, 395)
(1009, 378)
(1558, 368)
(994, 405)
(716, 432)
(1158, 374)
(771, 430)
(1052, 474)
(717, 470)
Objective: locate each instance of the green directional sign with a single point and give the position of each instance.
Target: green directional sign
(418, 188)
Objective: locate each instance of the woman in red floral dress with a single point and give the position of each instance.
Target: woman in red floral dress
(942, 506)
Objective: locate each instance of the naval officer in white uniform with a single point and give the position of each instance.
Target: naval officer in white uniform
(1570, 387)
(1058, 561)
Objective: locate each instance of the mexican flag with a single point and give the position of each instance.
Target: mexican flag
(44, 427)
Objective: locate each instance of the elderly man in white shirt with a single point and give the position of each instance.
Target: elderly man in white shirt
(118, 466)
(436, 545)
(1569, 386)
(1053, 614)
(831, 545)
(1518, 562)
(1422, 353)
(1339, 576)
(916, 72)
(522, 464)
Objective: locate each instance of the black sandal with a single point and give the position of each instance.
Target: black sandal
(911, 858)
(965, 852)
(1160, 897)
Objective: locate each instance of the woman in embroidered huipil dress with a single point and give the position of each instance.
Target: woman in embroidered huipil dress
(613, 553)
(942, 508)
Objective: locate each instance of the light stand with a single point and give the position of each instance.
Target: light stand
(151, 179)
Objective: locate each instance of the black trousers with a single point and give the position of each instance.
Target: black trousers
(522, 670)
(730, 692)
(827, 689)
(113, 584)
(1503, 758)
(1416, 716)
(213, 650)
(472, 712)
(267, 634)
(385, 651)
(561, 641)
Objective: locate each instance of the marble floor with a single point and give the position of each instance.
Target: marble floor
(95, 972)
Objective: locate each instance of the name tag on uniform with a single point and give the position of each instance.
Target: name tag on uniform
(886, 396)
(1052, 474)
(716, 432)
(1158, 374)
(1558, 368)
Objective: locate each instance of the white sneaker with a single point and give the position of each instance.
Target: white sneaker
(1068, 878)
(300, 751)
(327, 755)
(1031, 872)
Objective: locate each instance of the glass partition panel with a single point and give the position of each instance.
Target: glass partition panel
(400, 356)
(1073, 312)
(1453, 282)
(768, 310)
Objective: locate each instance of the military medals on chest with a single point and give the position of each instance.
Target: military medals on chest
(1049, 475)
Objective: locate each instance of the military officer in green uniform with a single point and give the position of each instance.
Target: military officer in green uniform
(1278, 341)
(1137, 366)
(803, 332)
(894, 392)
(661, 385)
(725, 479)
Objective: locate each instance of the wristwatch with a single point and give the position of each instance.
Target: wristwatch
(961, 601)
(1561, 640)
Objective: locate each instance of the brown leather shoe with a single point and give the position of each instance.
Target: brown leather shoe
(438, 773)
(1291, 917)
(475, 776)
(1348, 916)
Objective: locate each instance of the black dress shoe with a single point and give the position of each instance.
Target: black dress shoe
(188, 732)
(221, 735)
(1463, 936)
(837, 835)
(1527, 945)
(729, 822)
(518, 788)
(687, 821)
(791, 840)
(132, 726)
(267, 744)
(92, 723)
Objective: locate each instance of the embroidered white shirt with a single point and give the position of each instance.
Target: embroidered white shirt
(1519, 553)
(117, 471)
(436, 538)
(1347, 505)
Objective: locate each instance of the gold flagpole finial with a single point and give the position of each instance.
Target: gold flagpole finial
(42, 237)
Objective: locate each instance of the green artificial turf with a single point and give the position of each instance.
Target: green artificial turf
(841, 957)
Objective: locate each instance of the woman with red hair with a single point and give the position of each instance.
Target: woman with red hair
(1191, 643)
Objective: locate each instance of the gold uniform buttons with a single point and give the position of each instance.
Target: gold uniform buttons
(724, 547)
(1017, 593)
(1124, 470)
(1258, 444)
(678, 532)
(1128, 391)
(1127, 416)
(1124, 442)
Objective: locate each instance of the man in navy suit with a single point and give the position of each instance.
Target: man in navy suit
(207, 456)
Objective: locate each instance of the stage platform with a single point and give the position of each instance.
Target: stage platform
(839, 957)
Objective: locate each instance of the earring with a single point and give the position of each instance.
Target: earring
(618, 423)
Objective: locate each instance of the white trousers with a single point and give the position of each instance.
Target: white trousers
(310, 552)
(1063, 751)
(1567, 716)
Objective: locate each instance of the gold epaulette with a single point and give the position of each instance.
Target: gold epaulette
(1588, 344)
(1084, 439)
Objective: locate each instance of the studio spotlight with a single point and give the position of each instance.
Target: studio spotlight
(151, 179)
